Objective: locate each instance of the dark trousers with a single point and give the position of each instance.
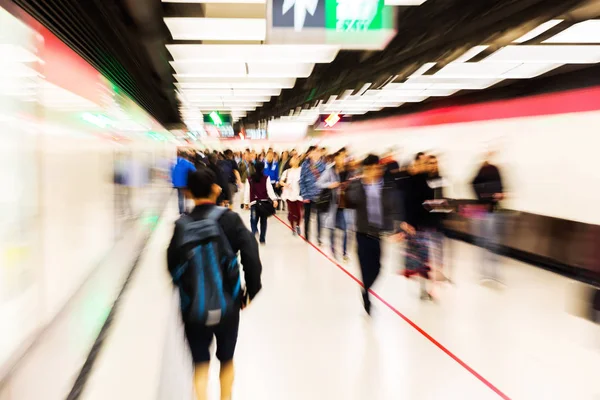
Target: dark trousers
(341, 224)
(369, 257)
(308, 208)
(255, 216)
(294, 212)
(181, 199)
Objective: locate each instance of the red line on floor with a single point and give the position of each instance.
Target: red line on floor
(408, 320)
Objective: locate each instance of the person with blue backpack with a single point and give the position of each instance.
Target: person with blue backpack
(179, 177)
(203, 261)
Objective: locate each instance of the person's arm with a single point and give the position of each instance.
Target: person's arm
(173, 255)
(327, 180)
(270, 190)
(303, 171)
(241, 238)
(283, 181)
(247, 191)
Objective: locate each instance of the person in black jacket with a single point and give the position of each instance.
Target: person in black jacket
(375, 206)
(489, 189)
(222, 181)
(438, 210)
(417, 220)
(204, 189)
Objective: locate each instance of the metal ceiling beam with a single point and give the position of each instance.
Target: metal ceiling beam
(425, 34)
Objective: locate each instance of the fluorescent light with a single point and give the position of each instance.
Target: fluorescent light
(539, 30)
(231, 92)
(17, 70)
(230, 99)
(234, 83)
(583, 32)
(363, 89)
(469, 54)
(254, 53)
(233, 70)
(222, 29)
(559, 54)
(438, 92)
(404, 2)
(424, 68)
(418, 89)
(505, 70)
(13, 53)
(226, 109)
(529, 70)
(205, 105)
(429, 82)
(209, 68)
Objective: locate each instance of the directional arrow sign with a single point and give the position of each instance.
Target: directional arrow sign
(301, 7)
(306, 14)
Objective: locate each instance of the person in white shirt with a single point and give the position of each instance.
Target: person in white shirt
(257, 193)
(290, 182)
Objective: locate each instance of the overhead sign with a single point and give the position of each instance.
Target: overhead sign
(352, 24)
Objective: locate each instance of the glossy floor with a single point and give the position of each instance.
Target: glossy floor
(307, 337)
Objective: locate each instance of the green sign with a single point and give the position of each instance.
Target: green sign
(357, 15)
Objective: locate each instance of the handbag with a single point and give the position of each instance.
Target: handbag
(265, 208)
(324, 200)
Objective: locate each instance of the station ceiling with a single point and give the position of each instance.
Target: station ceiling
(175, 58)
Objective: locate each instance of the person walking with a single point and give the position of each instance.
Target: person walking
(246, 169)
(231, 173)
(311, 171)
(417, 220)
(290, 182)
(213, 165)
(335, 179)
(204, 189)
(179, 177)
(260, 196)
(375, 208)
(272, 170)
(489, 190)
(438, 208)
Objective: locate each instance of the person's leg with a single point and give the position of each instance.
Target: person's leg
(369, 256)
(332, 241)
(181, 200)
(297, 211)
(291, 216)
(363, 260)
(199, 339)
(254, 219)
(263, 228)
(344, 227)
(493, 239)
(227, 335)
(318, 225)
(201, 380)
(307, 212)
(226, 376)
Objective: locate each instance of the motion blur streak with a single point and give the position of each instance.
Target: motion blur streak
(78, 160)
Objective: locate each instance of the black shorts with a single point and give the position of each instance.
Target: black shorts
(200, 337)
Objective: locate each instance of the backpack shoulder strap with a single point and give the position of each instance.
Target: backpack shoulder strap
(215, 213)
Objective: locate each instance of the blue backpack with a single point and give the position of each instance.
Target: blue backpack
(209, 278)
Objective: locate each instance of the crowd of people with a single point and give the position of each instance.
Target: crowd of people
(372, 198)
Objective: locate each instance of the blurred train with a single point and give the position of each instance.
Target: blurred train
(78, 159)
